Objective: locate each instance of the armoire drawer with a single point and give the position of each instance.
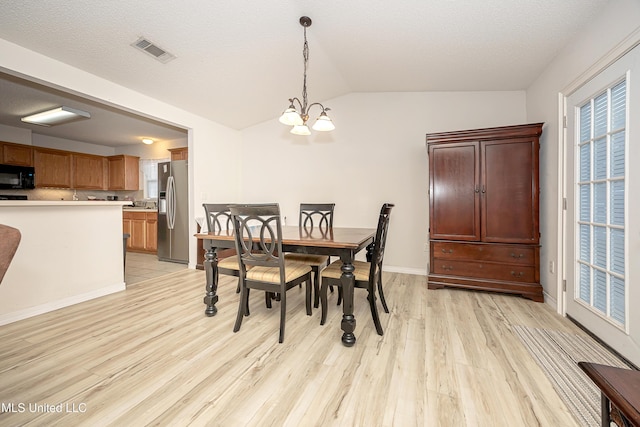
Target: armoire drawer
(508, 254)
(486, 270)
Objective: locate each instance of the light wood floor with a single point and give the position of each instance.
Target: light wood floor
(149, 356)
(141, 267)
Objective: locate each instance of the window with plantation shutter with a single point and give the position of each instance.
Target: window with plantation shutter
(600, 233)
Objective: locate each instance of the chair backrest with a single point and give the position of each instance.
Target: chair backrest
(218, 216)
(258, 235)
(9, 241)
(316, 215)
(380, 242)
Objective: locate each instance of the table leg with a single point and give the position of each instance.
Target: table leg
(211, 287)
(348, 324)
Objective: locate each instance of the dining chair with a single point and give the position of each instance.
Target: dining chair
(218, 219)
(368, 275)
(314, 217)
(258, 237)
(9, 241)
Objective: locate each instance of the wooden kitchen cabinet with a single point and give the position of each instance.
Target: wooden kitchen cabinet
(67, 169)
(138, 232)
(89, 171)
(181, 153)
(151, 229)
(53, 168)
(16, 154)
(124, 172)
(142, 228)
(484, 210)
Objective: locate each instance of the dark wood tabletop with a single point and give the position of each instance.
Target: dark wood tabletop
(336, 237)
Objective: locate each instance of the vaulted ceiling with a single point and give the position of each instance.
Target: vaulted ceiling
(237, 61)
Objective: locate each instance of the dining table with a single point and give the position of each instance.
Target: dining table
(342, 242)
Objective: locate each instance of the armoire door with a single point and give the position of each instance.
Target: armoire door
(509, 191)
(454, 202)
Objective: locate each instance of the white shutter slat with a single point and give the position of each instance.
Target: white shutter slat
(600, 291)
(600, 203)
(618, 299)
(585, 243)
(619, 106)
(585, 123)
(600, 115)
(585, 283)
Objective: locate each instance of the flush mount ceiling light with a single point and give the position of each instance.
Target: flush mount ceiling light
(298, 119)
(56, 116)
(147, 141)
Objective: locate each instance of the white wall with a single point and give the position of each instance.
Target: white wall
(376, 154)
(157, 150)
(212, 147)
(70, 145)
(58, 262)
(620, 18)
(16, 135)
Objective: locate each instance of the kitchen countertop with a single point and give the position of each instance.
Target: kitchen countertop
(34, 203)
(130, 209)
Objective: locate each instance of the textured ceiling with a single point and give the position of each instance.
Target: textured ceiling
(237, 61)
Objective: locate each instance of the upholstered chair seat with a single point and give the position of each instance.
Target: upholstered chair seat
(361, 272)
(230, 263)
(292, 270)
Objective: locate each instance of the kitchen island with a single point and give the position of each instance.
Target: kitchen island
(71, 251)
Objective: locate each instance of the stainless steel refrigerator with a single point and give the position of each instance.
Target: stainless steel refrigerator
(173, 212)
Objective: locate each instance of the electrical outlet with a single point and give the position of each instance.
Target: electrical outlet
(426, 247)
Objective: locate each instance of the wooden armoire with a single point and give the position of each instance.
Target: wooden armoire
(484, 210)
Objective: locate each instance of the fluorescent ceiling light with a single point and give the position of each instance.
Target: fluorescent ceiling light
(56, 116)
(147, 141)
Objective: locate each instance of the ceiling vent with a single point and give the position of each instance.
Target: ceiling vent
(153, 49)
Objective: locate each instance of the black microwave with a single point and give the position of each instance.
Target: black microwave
(17, 177)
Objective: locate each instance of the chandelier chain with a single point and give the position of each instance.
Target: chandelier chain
(305, 56)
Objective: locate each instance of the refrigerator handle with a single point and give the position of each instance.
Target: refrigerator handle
(171, 203)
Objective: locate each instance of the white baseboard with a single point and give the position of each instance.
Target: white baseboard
(548, 299)
(55, 305)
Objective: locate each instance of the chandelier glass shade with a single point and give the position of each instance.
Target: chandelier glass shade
(297, 114)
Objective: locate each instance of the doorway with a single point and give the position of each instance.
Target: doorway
(601, 240)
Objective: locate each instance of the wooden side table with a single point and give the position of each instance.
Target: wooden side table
(620, 391)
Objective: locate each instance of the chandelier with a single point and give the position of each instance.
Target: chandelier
(298, 119)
